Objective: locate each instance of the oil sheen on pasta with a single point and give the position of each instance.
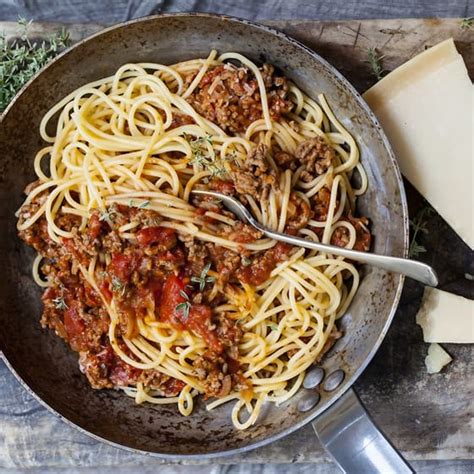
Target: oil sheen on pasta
(168, 296)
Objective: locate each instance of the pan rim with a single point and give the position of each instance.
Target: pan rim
(404, 213)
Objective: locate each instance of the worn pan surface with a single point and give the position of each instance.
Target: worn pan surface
(43, 363)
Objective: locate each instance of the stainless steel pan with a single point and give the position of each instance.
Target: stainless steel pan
(49, 370)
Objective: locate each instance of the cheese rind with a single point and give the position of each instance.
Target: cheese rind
(426, 109)
(445, 317)
(436, 359)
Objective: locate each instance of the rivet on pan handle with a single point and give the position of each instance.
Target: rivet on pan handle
(354, 441)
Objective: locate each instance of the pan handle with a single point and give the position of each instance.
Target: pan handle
(353, 440)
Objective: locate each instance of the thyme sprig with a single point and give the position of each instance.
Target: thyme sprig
(375, 62)
(142, 205)
(60, 303)
(109, 214)
(118, 286)
(419, 226)
(21, 59)
(467, 23)
(184, 307)
(203, 158)
(202, 279)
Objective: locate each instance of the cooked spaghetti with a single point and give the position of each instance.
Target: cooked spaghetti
(163, 293)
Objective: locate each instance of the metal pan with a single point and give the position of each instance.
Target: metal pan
(49, 370)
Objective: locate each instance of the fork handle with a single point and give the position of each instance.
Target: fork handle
(417, 270)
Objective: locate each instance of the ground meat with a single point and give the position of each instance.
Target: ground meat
(197, 254)
(229, 333)
(320, 202)
(340, 236)
(242, 233)
(230, 97)
(363, 236)
(221, 186)
(152, 378)
(74, 311)
(260, 268)
(256, 177)
(299, 212)
(277, 92)
(104, 369)
(316, 157)
(118, 215)
(225, 260)
(112, 243)
(97, 367)
(285, 160)
(216, 383)
(37, 234)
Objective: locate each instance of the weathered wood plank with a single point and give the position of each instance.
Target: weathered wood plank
(426, 417)
(343, 43)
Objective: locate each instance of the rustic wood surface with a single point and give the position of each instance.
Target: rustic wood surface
(428, 417)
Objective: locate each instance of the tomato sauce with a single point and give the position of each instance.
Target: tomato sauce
(94, 226)
(176, 309)
(156, 235)
(74, 326)
(199, 321)
(224, 187)
(260, 269)
(122, 266)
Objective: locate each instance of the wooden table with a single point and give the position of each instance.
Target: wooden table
(426, 416)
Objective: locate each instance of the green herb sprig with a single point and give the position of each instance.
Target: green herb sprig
(418, 226)
(60, 303)
(118, 286)
(375, 62)
(142, 205)
(202, 279)
(203, 158)
(108, 215)
(184, 307)
(467, 23)
(21, 59)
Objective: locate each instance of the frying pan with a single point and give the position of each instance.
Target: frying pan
(49, 369)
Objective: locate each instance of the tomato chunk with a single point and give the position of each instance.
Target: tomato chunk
(122, 266)
(105, 290)
(155, 286)
(94, 226)
(172, 387)
(91, 298)
(172, 296)
(75, 327)
(199, 321)
(196, 317)
(224, 187)
(156, 235)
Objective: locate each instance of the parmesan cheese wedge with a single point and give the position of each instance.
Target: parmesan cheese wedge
(436, 359)
(426, 109)
(445, 317)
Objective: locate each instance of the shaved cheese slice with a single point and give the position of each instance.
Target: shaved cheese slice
(436, 359)
(426, 109)
(445, 317)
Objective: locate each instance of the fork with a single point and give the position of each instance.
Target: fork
(417, 270)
